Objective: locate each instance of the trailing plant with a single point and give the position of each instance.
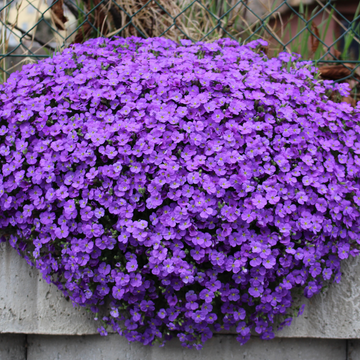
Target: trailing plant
(179, 189)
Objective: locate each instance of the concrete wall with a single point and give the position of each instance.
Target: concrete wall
(221, 347)
(37, 323)
(30, 305)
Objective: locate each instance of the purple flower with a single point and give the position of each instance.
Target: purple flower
(172, 187)
(242, 328)
(259, 201)
(311, 289)
(132, 265)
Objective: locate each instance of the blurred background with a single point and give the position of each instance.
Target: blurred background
(326, 32)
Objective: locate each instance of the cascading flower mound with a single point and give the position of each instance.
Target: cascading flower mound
(180, 189)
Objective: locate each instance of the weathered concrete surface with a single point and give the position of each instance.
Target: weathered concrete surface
(335, 313)
(29, 305)
(12, 347)
(221, 347)
(353, 350)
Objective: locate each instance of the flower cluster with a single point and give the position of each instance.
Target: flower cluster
(183, 189)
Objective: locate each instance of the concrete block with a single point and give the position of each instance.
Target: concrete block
(353, 350)
(28, 304)
(220, 347)
(335, 313)
(12, 347)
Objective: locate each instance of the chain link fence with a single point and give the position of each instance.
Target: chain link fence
(325, 32)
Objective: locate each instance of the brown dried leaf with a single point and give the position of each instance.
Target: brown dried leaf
(96, 20)
(82, 33)
(315, 42)
(349, 100)
(100, 14)
(265, 49)
(57, 13)
(337, 53)
(338, 72)
(334, 72)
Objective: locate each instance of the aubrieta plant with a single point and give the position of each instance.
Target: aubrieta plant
(179, 190)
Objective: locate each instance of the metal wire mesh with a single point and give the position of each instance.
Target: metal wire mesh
(317, 30)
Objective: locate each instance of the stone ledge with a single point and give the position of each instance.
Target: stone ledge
(220, 347)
